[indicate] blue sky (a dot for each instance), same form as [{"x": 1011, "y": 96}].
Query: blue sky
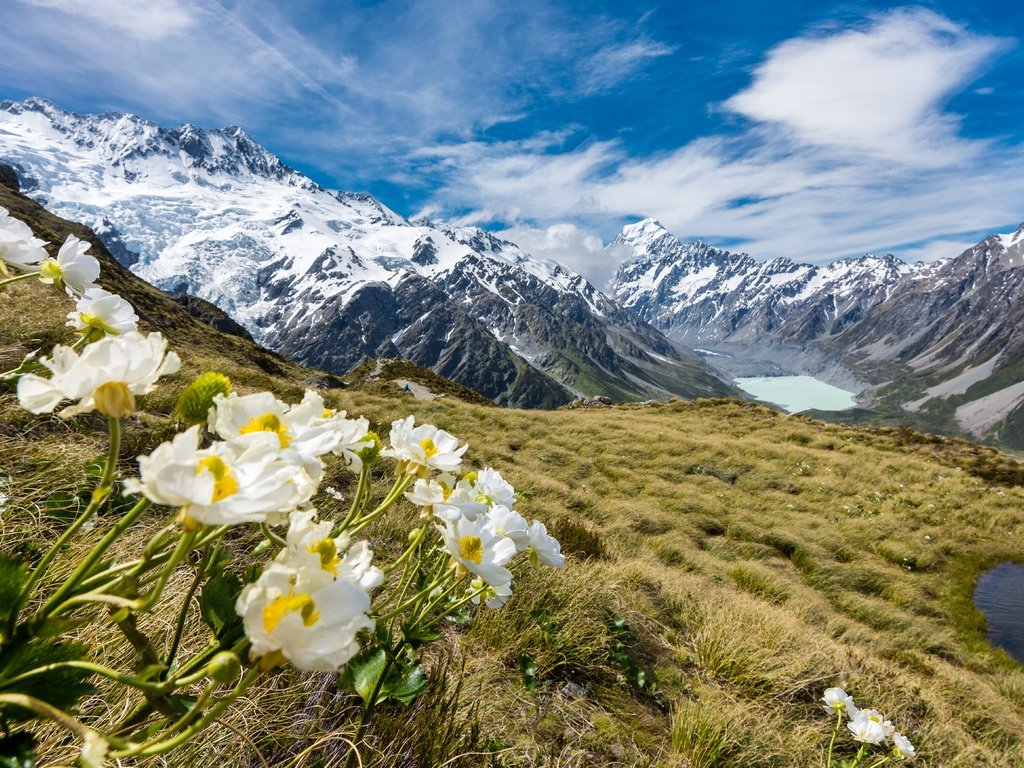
[{"x": 812, "y": 130}]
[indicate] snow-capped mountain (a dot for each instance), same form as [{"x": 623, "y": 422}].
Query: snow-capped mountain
[
  {"x": 332, "y": 278},
  {"x": 940, "y": 341}
]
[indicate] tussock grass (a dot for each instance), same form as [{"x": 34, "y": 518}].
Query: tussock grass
[{"x": 758, "y": 559}]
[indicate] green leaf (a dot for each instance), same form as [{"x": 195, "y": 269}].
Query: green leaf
[
  {"x": 418, "y": 636},
  {"x": 363, "y": 673},
  {"x": 217, "y": 604},
  {"x": 528, "y": 668},
  {"x": 95, "y": 467},
  {"x": 18, "y": 750},
  {"x": 63, "y": 506},
  {"x": 403, "y": 684},
  {"x": 12, "y": 578},
  {"x": 62, "y": 687}
]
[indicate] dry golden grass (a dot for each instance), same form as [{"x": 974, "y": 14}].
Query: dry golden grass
[{"x": 757, "y": 558}]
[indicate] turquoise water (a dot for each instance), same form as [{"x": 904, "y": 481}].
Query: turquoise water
[
  {"x": 797, "y": 393},
  {"x": 999, "y": 594}
]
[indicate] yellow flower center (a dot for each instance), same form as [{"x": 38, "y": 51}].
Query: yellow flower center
[
  {"x": 49, "y": 271},
  {"x": 224, "y": 483},
  {"x": 471, "y": 548},
  {"x": 95, "y": 323},
  {"x": 113, "y": 399},
  {"x": 268, "y": 422},
  {"x": 300, "y": 603},
  {"x": 327, "y": 413},
  {"x": 428, "y": 447},
  {"x": 327, "y": 549}
]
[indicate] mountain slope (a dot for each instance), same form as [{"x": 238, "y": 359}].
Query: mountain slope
[
  {"x": 936, "y": 345},
  {"x": 215, "y": 215}
]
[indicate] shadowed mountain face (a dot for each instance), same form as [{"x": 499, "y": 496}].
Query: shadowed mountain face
[
  {"x": 333, "y": 278},
  {"x": 937, "y": 345}
]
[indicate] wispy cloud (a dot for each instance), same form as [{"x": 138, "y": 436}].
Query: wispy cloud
[
  {"x": 609, "y": 67},
  {"x": 142, "y": 19},
  {"x": 846, "y": 149}
]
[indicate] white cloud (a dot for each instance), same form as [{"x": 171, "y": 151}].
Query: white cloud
[
  {"x": 885, "y": 167},
  {"x": 566, "y": 244},
  {"x": 875, "y": 90},
  {"x": 612, "y": 65},
  {"x": 143, "y": 19}
]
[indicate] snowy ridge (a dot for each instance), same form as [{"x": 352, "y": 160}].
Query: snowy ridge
[{"x": 215, "y": 215}]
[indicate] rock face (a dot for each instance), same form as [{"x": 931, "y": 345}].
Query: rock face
[
  {"x": 939, "y": 343},
  {"x": 332, "y": 278}
]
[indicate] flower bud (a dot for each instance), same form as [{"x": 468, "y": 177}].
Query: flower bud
[
  {"x": 114, "y": 400},
  {"x": 195, "y": 402},
  {"x": 224, "y": 667},
  {"x": 371, "y": 453}
]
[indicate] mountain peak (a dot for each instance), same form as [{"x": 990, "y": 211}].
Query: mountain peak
[{"x": 643, "y": 232}]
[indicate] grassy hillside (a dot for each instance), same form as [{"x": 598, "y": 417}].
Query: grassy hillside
[{"x": 741, "y": 559}]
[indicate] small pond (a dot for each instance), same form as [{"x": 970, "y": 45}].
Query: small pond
[
  {"x": 999, "y": 594},
  {"x": 797, "y": 393}
]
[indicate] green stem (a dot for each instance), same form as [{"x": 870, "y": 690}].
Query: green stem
[
  {"x": 179, "y": 628},
  {"x": 416, "y": 598},
  {"x": 357, "y": 500},
  {"x": 98, "y": 495},
  {"x": 273, "y": 537},
  {"x": 832, "y": 743},
  {"x": 48, "y": 711},
  {"x": 155, "y": 747},
  {"x": 183, "y": 548},
  {"x": 85, "y": 567},
  {"x": 16, "y": 278},
  {"x": 88, "y": 666},
  {"x": 396, "y": 490}
]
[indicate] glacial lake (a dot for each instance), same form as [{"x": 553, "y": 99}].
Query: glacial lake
[
  {"x": 999, "y": 594},
  {"x": 797, "y": 393}
]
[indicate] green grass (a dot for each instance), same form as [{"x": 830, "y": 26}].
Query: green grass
[{"x": 757, "y": 558}]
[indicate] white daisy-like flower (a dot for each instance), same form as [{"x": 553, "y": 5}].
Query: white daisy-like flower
[
  {"x": 493, "y": 596},
  {"x": 512, "y": 525},
  {"x": 424, "y": 447},
  {"x": 837, "y": 701},
  {"x": 225, "y": 484},
  {"x": 309, "y": 545},
  {"x": 491, "y": 488},
  {"x": 873, "y": 714},
  {"x": 474, "y": 545},
  {"x": 308, "y": 618},
  {"x": 902, "y": 746},
  {"x": 100, "y": 313},
  {"x": 544, "y": 546},
  {"x": 106, "y": 377},
  {"x": 866, "y": 731},
  {"x": 73, "y": 268},
  {"x": 18, "y": 247}
]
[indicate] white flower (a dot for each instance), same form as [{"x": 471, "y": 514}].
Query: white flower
[
  {"x": 866, "y": 730},
  {"x": 838, "y": 701},
  {"x": 106, "y": 377},
  {"x": 544, "y": 546},
  {"x": 512, "y": 525},
  {"x": 225, "y": 484},
  {"x": 309, "y": 618},
  {"x": 493, "y": 596},
  {"x": 17, "y": 245},
  {"x": 476, "y": 546},
  {"x": 310, "y": 546},
  {"x": 101, "y": 313},
  {"x": 902, "y": 746},
  {"x": 491, "y": 488},
  {"x": 873, "y": 714},
  {"x": 424, "y": 447},
  {"x": 73, "y": 267}
]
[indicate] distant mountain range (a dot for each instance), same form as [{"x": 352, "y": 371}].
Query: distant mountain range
[
  {"x": 332, "y": 278},
  {"x": 937, "y": 345}
]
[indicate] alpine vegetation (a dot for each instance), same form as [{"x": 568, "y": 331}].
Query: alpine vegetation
[{"x": 308, "y": 595}]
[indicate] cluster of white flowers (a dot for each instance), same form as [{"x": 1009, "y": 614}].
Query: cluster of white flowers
[
  {"x": 73, "y": 269},
  {"x": 479, "y": 527},
  {"x": 868, "y": 726}
]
